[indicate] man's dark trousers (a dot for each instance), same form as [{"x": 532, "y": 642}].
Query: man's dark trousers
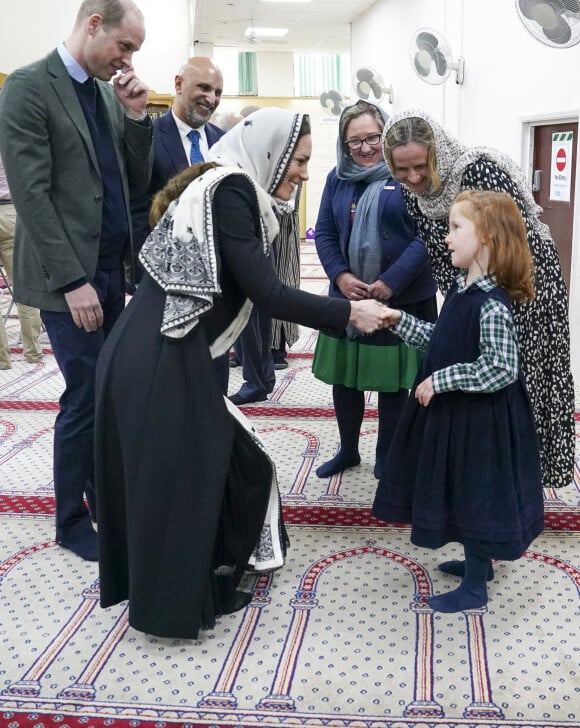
[{"x": 76, "y": 352}]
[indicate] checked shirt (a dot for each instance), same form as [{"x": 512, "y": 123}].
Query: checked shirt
[{"x": 497, "y": 364}]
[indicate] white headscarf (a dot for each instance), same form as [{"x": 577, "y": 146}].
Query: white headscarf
[
  {"x": 180, "y": 253},
  {"x": 261, "y": 145}
]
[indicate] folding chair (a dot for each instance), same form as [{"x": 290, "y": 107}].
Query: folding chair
[{"x": 6, "y": 288}]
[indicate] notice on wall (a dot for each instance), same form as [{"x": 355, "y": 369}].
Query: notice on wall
[{"x": 561, "y": 172}]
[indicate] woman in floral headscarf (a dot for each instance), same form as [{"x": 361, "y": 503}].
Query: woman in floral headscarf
[
  {"x": 186, "y": 494},
  {"x": 433, "y": 167}
]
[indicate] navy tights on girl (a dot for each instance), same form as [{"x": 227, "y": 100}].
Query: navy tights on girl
[{"x": 472, "y": 593}]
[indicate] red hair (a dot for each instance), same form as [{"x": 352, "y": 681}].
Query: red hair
[{"x": 500, "y": 225}]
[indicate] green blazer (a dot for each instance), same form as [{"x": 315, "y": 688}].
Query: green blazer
[{"x": 54, "y": 178}]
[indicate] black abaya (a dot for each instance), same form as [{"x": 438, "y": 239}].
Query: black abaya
[{"x": 181, "y": 494}]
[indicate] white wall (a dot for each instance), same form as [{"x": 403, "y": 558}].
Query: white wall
[
  {"x": 166, "y": 46},
  {"x": 509, "y": 75},
  {"x": 23, "y": 40},
  {"x": 275, "y": 74}
]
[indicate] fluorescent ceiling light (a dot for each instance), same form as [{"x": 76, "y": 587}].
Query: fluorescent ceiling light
[
  {"x": 286, "y": 1},
  {"x": 266, "y": 32}
]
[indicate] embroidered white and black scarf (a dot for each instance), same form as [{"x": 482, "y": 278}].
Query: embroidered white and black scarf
[{"x": 180, "y": 253}]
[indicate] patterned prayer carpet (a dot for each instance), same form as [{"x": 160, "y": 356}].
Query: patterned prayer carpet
[{"x": 338, "y": 637}]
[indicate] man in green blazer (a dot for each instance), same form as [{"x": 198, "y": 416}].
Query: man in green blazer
[{"x": 74, "y": 148}]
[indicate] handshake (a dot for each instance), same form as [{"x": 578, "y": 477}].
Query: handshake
[
  {"x": 370, "y": 315},
  {"x": 367, "y": 312}
]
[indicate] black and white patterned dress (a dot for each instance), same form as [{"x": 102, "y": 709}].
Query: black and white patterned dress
[
  {"x": 287, "y": 248},
  {"x": 542, "y": 325}
]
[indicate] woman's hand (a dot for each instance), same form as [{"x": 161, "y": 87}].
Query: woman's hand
[
  {"x": 379, "y": 290},
  {"x": 367, "y": 316},
  {"x": 351, "y": 287}
]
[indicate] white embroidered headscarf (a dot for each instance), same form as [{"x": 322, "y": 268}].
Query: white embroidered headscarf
[
  {"x": 451, "y": 160},
  {"x": 180, "y": 253}
]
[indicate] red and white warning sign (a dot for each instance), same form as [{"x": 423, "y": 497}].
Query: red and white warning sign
[{"x": 561, "y": 173}]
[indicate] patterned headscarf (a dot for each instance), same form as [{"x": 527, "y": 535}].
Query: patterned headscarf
[
  {"x": 180, "y": 253},
  {"x": 452, "y": 158}
]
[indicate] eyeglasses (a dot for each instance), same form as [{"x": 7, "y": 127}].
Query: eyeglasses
[{"x": 357, "y": 143}]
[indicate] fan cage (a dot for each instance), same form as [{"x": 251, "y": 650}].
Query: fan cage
[
  {"x": 565, "y": 13},
  {"x": 429, "y": 42}
]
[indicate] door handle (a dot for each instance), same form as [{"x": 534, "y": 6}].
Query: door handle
[{"x": 536, "y": 183}]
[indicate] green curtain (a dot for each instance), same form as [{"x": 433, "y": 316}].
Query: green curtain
[
  {"x": 315, "y": 73},
  {"x": 248, "y": 74}
]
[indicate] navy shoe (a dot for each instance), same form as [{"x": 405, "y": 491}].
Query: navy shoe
[
  {"x": 85, "y": 547},
  {"x": 239, "y": 399}
]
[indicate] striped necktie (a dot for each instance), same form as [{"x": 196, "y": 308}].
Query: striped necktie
[{"x": 195, "y": 154}]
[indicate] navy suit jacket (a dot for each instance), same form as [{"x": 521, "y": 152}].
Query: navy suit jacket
[
  {"x": 405, "y": 262},
  {"x": 169, "y": 159}
]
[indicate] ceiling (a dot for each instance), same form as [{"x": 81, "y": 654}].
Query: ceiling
[{"x": 319, "y": 26}]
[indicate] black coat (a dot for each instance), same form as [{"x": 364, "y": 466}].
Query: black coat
[{"x": 170, "y": 464}]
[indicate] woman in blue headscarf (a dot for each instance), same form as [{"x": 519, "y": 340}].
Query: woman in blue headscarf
[{"x": 369, "y": 247}]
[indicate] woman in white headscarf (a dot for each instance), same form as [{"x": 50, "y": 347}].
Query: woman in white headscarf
[
  {"x": 186, "y": 494},
  {"x": 433, "y": 168}
]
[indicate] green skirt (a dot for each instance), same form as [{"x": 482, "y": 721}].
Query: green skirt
[{"x": 365, "y": 367}]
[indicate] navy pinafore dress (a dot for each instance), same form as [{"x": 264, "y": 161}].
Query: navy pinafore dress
[{"x": 467, "y": 467}]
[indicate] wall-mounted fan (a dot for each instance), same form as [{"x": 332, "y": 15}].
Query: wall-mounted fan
[
  {"x": 431, "y": 57},
  {"x": 369, "y": 85},
  {"x": 331, "y": 102},
  {"x": 553, "y": 22}
]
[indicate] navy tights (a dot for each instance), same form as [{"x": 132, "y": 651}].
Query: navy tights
[
  {"x": 349, "y": 407},
  {"x": 472, "y": 593}
]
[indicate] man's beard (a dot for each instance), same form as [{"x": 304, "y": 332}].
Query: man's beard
[{"x": 196, "y": 119}]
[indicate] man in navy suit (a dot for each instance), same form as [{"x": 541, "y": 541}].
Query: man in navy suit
[{"x": 198, "y": 92}]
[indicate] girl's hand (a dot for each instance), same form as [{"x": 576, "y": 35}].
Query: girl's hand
[
  {"x": 425, "y": 392},
  {"x": 392, "y": 316}
]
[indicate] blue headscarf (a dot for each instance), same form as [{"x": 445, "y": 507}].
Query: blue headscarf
[{"x": 364, "y": 245}]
